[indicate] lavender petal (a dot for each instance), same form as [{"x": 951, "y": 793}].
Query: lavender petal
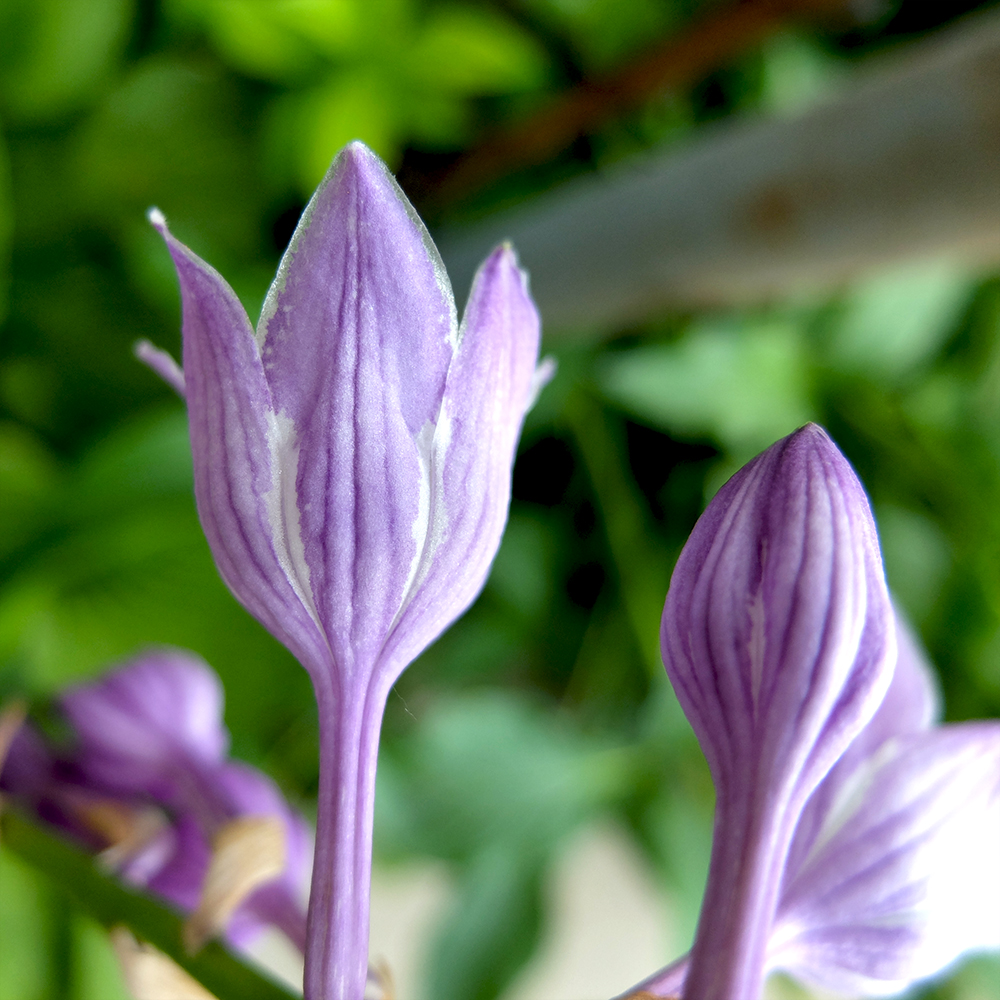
[
  {"x": 238, "y": 445},
  {"x": 911, "y": 706},
  {"x": 358, "y": 332},
  {"x": 489, "y": 388},
  {"x": 905, "y": 876},
  {"x": 162, "y": 363}
]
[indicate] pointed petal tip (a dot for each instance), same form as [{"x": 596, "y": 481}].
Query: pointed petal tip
[
  {"x": 157, "y": 219},
  {"x": 545, "y": 372},
  {"x": 361, "y": 165},
  {"x": 812, "y": 435},
  {"x": 162, "y": 363},
  {"x": 504, "y": 258},
  {"x": 506, "y": 253},
  {"x": 357, "y": 150}
]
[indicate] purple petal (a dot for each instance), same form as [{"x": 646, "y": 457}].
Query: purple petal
[
  {"x": 141, "y": 723},
  {"x": 490, "y": 385},
  {"x": 179, "y": 878},
  {"x": 668, "y": 982},
  {"x": 777, "y": 627},
  {"x": 251, "y": 793},
  {"x": 240, "y": 447},
  {"x": 160, "y": 361},
  {"x": 358, "y": 333},
  {"x": 778, "y": 638},
  {"x": 28, "y": 765},
  {"x": 155, "y": 727},
  {"x": 905, "y": 876},
  {"x": 911, "y": 705}
]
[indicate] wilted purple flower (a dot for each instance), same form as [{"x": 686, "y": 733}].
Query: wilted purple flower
[
  {"x": 777, "y": 617},
  {"x": 148, "y": 781},
  {"x": 352, "y": 472}
]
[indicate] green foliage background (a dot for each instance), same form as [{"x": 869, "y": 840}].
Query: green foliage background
[{"x": 545, "y": 707}]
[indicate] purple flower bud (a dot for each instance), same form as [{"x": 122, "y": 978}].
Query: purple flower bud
[
  {"x": 910, "y": 706},
  {"x": 779, "y": 639},
  {"x": 143, "y": 727},
  {"x": 352, "y": 465},
  {"x": 894, "y": 870}
]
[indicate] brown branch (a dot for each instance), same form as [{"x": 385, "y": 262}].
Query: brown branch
[{"x": 681, "y": 59}]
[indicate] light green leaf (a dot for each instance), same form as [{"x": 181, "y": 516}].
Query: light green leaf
[
  {"x": 492, "y": 929},
  {"x": 897, "y": 321},
  {"x": 745, "y": 385},
  {"x": 23, "y": 965},
  {"x": 60, "y": 53},
  {"x": 357, "y": 105},
  {"x": 493, "y": 766},
  {"x": 170, "y": 134},
  {"x": 522, "y": 574},
  {"x": 797, "y": 73},
  {"x": 917, "y": 557},
  {"x": 475, "y": 51},
  {"x": 281, "y": 40}
]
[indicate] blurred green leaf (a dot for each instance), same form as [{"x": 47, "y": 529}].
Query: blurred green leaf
[
  {"x": 111, "y": 903},
  {"x": 917, "y": 557},
  {"x": 492, "y": 929},
  {"x": 97, "y": 972},
  {"x": 273, "y": 40},
  {"x": 475, "y": 51},
  {"x": 897, "y": 321},
  {"x": 173, "y": 134},
  {"x": 29, "y": 485},
  {"x": 6, "y": 224},
  {"x": 357, "y": 104},
  {"x": 522, "y": 571},
  {"x": 605, "y": 32},
  {"x": 23, "y": 961},
  {"x": 745, "y": 384},
  {"x": 797, "y": 72},
  {"x": 54, "y": 54},
  {"x": 439, "y": 119},
  {"x": 490, "y": 767}
]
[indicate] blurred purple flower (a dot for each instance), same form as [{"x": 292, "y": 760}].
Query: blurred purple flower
[
  {"x": 352, "y": 472},
  {"x": 148, "y": 783},
  {"x": 852, "y": 840}
]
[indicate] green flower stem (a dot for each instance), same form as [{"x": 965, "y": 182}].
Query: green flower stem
[{"x": 110, "y": 903}]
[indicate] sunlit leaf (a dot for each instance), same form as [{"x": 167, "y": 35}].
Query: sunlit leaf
[
  {"x": 898, "y": 320},
  {"x": 353, "y": 105},
  {"x": 745, "y": 385},
  {"x": 59, "y": 53},
  {"x": 475, "y": 51}
]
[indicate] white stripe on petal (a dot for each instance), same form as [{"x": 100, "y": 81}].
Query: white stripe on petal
[
  {"x": 282, "y": 505},
  {"x": 430, "y": 525}
]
